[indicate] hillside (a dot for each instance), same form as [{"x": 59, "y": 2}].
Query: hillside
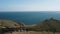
[
  {"x": 9, "y": 23},
  {"x": 48, "y": 25}
]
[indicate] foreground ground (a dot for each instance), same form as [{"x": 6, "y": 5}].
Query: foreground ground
[{"x": 32, "y": 32}]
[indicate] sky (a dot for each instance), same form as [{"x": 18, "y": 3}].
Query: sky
[{"x": 29, "y": 5}]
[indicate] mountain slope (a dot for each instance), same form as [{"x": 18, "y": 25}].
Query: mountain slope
[
  {"x": 49, "y": 24},
  {"x": 9, "y": 23}
]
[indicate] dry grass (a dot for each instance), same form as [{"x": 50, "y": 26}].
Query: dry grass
[{"x": 32, "y": 32}]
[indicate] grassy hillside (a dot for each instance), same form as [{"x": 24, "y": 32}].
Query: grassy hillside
[
  {"x": 48, "y": 25},
  {"x": 9, "y": 23}
]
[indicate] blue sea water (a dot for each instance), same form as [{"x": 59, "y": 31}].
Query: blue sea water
[{"x": 29, "y": 17}]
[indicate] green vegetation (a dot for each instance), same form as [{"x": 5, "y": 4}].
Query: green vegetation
[
  {"x": 51, "y": 25},
  {"x": 8, "y": 25}
]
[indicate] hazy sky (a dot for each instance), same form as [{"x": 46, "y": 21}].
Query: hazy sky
[{"x": 29, "y": 5}]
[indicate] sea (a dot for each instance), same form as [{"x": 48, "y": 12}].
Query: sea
[{"x": 29, "y": 17}]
